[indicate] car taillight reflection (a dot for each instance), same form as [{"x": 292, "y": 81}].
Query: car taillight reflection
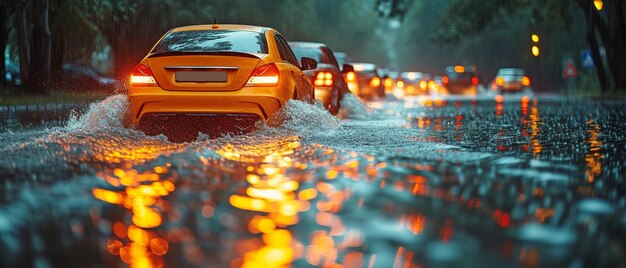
[
  {"x": 142, "y": 76},
  {"x": 266, "y": 75},
  {"x": 323, "y": 79}
]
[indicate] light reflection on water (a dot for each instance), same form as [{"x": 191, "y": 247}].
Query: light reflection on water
[
  {"x": 142, "y": 195},
  {"x": 281, "y": 200}
]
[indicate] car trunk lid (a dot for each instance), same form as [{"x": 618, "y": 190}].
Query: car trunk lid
[{"x": 203, "y": 71}]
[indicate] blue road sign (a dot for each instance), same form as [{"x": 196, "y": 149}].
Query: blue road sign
[{"x": 587, "y": 59}]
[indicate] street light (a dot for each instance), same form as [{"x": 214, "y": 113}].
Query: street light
[{"x": 599, "y": 4}]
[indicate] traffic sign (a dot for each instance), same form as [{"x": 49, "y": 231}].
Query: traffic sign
[
  {"x": 570, "y": 70},
  {"x": 587, "y": 59}
]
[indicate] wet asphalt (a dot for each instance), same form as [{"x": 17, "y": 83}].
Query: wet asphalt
[{"x": 414, "y": 182}]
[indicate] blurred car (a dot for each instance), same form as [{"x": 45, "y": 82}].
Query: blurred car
[
  {"x": 435, "y": 86},
  {"x": 510, "y": 80},
  {"x": 342, "y": 58},
  {"x": 461, "y": 80},
  {"x": 368, "y": 82},
  {"x": 215, "y": 79},
  {"x": 330, "y": 85},
  {"x": 85, "y": 78},
  {"x": 388, "y": 82},
  {"x": 12, "y": 76},
  {"x": 413, "y": 83}
]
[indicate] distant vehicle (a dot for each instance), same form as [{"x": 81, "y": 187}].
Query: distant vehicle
[
  {"x": 369, "y": 83},
  {"x": 12, "y": 76},
  {"x": 461, "y": 80},
  {"x": 85, "y": 78},
  {"x": 413, "y": 83},
  {"x": 510, "y": 80},
  {"x": 342, "y": 58},
  {"x": 215, "y": 79},
  {"x": 388, "y": 82},
  {"x": 435, "y": 86},
  {"x": 330, "y": 85}
]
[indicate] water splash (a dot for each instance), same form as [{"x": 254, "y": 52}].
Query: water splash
[
  {"x": 353, "y": 108},
  {"x": 306, "y": 119},
  {"x": 105, "y": 115}
]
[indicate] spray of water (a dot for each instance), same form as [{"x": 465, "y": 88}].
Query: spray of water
[{"x": 105, "y": 115}]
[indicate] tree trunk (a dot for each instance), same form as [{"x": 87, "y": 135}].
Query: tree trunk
[
  {"x": 592, "y": 40},
  {"x": 41, "y": 61},
  {"x": 22, "y": 40},
  {"x": 612, "y": 36},
  {"x": 4, "y": 36}
]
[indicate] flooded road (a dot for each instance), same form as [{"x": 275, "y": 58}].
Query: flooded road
[{"x": 423, "y": 182}]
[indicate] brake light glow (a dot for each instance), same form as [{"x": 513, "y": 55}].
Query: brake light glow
[
  {"x": 266, "y": 75},
  {"x": 323, "y": 79},
  {"x": 525, "y": 81},
  {"x": 475, "y": 80},
  {"x": 350, "y": 77},
  {"x": 375, "y": 82},
  {"x": 433, "y": 86},
  {"x": 500, "y": 81},
  {"x": 459, "y": 69},
  {"x": 445, "y": 80},
  {"x": 423, "y": 85},
  {"x": 388, "y": 83},
  {"x": 142, "y": 76},
  {"x": 400, "y": 84}
]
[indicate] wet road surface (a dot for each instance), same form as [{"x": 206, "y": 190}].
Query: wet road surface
[{"x": 424, "y": 182}]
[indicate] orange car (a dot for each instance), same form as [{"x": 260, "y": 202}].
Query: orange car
[{"x": 215, "y": 79}]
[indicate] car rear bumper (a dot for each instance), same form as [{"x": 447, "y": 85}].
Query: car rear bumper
[
  {"x": 259, "y": 101},
  {"x": 185, "y": 127},
  {"x": 462, "y": 90}
]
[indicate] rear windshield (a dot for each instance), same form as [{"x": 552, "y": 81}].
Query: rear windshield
[
  {"x": 307, "y": 52},
  {"x": 314, "y": 53},
  {"x": 511, "y": 72},
  {"x": 212, "y": 41}
]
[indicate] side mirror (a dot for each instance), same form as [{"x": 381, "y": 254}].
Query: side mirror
[
  {"x": 308, "y": 63},
  {"x": 347, "y": 68}
]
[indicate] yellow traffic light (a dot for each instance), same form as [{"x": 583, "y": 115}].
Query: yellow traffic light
[
  {"x": 535, "y": 51},
  {"x": 599, "y": 4}
]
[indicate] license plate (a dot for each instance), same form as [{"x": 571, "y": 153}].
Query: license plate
[{"x": 200, "y": 76}]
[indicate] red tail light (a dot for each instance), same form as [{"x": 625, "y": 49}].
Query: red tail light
[
  {"x": 499, "y": 81},
  {"x": 423, "y": 85},
  {"x": 475, "y": 80},
  {"x": 266, "y": 75},
  {"x": 444, "y": 80},
  {"x": 525, "y": 81},
  {"x": 375, "y": 82},
  {"x": 142, "y": 76},
  {"x": 323, "y": 79}
]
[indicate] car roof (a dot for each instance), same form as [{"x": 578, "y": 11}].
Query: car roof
[
  {"x": 230, "y": 27},
  {"x": 306, "y": 44}
]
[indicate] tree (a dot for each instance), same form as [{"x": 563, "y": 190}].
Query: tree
[
  {"x": 41, "y": 55},
  {"x": 4, "y": 36}
]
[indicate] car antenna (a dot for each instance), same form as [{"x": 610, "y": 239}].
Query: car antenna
[{"x": 215, "y": 26}]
